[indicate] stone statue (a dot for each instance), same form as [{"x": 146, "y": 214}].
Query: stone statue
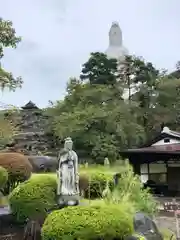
[
  {"x": 116, "y": 48},
  {"x": 68, "y": 178},
  {"x": 106, "y": 162},
  {"x": 115, "y": 35}
]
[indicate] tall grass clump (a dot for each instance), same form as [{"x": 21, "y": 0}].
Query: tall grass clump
[{"x": 130, "y": 189}]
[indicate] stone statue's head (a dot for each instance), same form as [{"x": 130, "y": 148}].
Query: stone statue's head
[{"x": 68, "y": 144}]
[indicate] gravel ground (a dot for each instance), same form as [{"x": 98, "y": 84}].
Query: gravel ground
[
  {"x": 165, "y": 223},
  {"x": 166, "y": 220}
]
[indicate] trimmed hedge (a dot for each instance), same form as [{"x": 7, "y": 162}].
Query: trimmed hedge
[
  {"x": 88, "y": 222},
  {"x": 33, "y": 197},
  {"x": 38, "y": 194},
  {"x": 3, "y": 177},
  {"x": 91, "y": 183},
  {"x": 18, "y": 167}
]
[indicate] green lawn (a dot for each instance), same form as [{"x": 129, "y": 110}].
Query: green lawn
[{"x": 94, "y": 169}]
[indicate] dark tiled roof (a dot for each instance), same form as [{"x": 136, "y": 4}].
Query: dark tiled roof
[
  {"x": 30, "y": 105},
  {"x": 159, "y": 148}
]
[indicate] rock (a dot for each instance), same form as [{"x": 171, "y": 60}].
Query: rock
[
  {"x": 5, "y": 210},
  {"x": 6, "y": 216}
]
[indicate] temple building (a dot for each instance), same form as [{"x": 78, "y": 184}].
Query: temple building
[
  {"x": 116, "y": 48},
  {"x": 31, "y": 123},
  {"x": 158, "y": 162}
]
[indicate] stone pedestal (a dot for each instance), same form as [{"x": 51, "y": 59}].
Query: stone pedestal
[{"x": 67, "y": 200}]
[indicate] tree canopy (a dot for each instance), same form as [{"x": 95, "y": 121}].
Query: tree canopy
[
  {"x": 99, "y": 69},
  {"x": 101, "y": 120},
  {"x": 8, "y": 38},
  {"x": 98, "y": 120}
]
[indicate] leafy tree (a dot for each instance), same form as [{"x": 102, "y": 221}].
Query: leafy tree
[
  {"x": 8, "y": 81},
  {"x": 167, "y": 106},
  {"x": 140, "y": 76},
  {"x": 8, "y": 38},
  {"x": 100, "y": 70},
  {"x": 176, "y": 73},
  {"x": 8, "y": 127},
  {"x": 97, "y": 117},
  {"x": 98, "y": 120}
]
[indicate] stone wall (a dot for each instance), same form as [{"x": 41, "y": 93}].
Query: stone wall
[{"x": 32, "y": 137}]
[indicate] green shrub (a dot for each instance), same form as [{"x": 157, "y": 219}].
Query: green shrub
[
  {"x": 3, "y": 177},
  {"x": 94, "y": 183},
  {"x": 131, "y": 189},
  {"x": 33, "y": 197},
  {"x": 88, "y": 222}
]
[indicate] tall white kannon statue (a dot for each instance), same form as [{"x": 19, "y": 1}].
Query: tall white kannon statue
[{"x": 116, "y": 48}]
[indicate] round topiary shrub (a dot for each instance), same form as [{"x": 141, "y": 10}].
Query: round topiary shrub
[
  {"x": 3, "y": 177},
  {"x": 94, "y": 183},
  {"x": 88, "y": 222},
  {"x": 34, "y": 197},
  {"x": 18, "y": 167}
]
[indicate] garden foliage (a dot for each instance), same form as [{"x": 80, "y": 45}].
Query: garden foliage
[
  {"x": 94, "y": 182},
  {"x": 130, "y": 189},
  {"x": 18, "y": 167},
  {"x": 3, "y": 177},
  {"x": 89, "y": 222},
  {"x": 37, "y": 196},
  {"x": 33, "y": 198}
]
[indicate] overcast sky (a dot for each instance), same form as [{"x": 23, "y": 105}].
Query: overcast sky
[{"x": 58, "y": 36}]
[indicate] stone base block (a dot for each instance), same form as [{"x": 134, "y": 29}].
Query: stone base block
[{"x": 67, "y": 200}]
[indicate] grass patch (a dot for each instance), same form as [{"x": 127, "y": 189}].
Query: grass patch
[
  {"x": 92, "y": 169},
  {"x": 168, "y": 234}
]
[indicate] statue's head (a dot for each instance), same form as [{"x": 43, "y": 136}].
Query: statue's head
[{"x": 68, "y": 144}]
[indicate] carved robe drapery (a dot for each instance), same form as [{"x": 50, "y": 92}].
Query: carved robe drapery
[{"x": 68, "y": 174}]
